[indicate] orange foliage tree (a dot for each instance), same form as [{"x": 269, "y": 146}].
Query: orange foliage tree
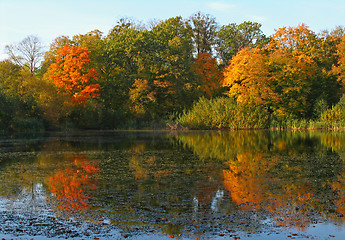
[
  {"x": 340, "y": 68},
  {"x": 72, "y": 75},
  {"x": 206, "y": 68},
  {"x": 248, "y": 80},
  {"x": 281, "y": 76},
  {"x": 294, "y": 39}
]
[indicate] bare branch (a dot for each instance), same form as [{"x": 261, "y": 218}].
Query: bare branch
[{"x": 28, "y": 53}]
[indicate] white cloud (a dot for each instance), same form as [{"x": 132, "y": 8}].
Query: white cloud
[{"x": 220, "y": 6}]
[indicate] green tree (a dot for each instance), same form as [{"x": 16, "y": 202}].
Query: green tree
[
  {"x": 171, "y": 69},
  {"x": 232, "y": 38},
  {"x": 204, "y": 28},
  {"x": 18, "y": 107},
  {"x": 120, "y": 66}
]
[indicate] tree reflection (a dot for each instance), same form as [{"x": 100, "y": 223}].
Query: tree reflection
[
  {"x": 252, "y": 186},
  {"x": 339, "y": 187},
  {"x": 290, "y": 175},
  {"x": 193, "y": 182},
  {"x": 69, "y": 185}
]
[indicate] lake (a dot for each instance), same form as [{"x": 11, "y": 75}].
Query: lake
[{"x": 183, "y": 185}]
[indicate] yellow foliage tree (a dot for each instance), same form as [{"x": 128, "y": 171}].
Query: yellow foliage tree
[
  {"x": 248, "y": 79},
  {"x": 280, "y": 76},
  {"x": 339, "y": 70},
  {"x": 291, "y": 79}
]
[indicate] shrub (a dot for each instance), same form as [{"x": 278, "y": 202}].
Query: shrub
[{"x": 224, "y": 112}]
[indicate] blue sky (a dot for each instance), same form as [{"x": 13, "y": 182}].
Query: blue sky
[{"x": 49, "y": 19}]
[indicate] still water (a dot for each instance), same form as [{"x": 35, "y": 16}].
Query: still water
[{"x": 163, "y": 185}]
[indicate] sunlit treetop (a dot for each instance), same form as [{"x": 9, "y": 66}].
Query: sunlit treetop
[{"x": 71, "y": 74}]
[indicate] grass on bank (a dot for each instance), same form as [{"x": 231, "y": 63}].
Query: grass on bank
[{"x": 226, "y": 113}]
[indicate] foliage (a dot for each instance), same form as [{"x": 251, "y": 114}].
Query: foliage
[
  {"x": 70, "y": 74},
  {"x": 247, "y": 78},
  {"x": 142, "y": 97},
  {"x": 18, "y": 108},
  {"x": 292, "y": 78},
  {"x": 232, "y": 38},
  {"x": 136, "y": 75},
  {"x": 224, "y": 113},
  {"x": 204, "y": 31},
  {"x": 335, "y": 116},
  {"x": 340, "y": 68},
  {"x": 210, "y": 77},
  {"x": 284, "y": 76}
]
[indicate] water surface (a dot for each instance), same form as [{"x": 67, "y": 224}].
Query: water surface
[{"x": 162, "y": 185}]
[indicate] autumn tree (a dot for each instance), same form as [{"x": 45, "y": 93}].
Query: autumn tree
[
  {"x": 291, "y": 79},
  {"x": 294, "y": 40},
  {"x": 159, "y": 59},
  {"x": 71, "y": 74},
  {"x": 339, "y": 68},
  {"x": 142, "y": 98},
  {"x": 247, "y": 78},
  {"x": 280, "y": 76},
  {"x": 92, "y": 41},
  {"x": 210, "y": 77},
  {"x": 294, "y": 62},
  {"x": 329, "y": 42},
  {"x": 10, "y": 77},
  {"x": 327, "y": 88}
]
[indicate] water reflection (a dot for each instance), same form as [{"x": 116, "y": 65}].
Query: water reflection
[
  {"x": 69, "y": 184},
  {"x": 291, "y": 175},
  {"x": 197, "y": 183}
]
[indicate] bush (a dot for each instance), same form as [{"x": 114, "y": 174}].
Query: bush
[{"x": 223, "y": 112}]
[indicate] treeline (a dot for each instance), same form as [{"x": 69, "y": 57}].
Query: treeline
[{"x": 137, "y": 76}]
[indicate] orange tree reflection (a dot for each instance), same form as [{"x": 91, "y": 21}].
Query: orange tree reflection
[
  {"x": 290, "y": 175},
  {"x": 69, "y": 184}
]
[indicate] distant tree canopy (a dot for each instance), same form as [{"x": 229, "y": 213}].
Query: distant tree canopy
[{"x": 138, "y": 74}]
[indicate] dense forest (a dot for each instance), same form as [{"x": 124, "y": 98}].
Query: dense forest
[{"x": 191, "y": 71}]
